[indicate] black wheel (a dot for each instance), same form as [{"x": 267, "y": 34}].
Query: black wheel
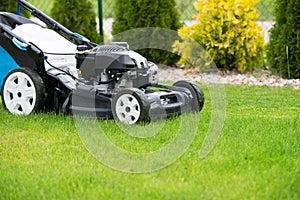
[
  {"x": 130, "y": 106},
  {"x": 23, "y": 91},
  {"x": 196, "y": 91}
]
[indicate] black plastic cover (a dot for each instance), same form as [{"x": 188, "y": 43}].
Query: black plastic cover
[
  {"x": 13, "y": 20},
  {"x": 102, "y": 58}
]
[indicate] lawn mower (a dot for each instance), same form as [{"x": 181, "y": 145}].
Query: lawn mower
[{"x": 51, "y": 68}]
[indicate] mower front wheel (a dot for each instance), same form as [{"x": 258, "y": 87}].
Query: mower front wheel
[
  {"x": 196, "y": 91},
  {"x": 23, "y": 91},
  {"x": 130, "y": 106}
]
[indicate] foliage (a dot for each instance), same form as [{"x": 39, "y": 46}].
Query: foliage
[
  {"x": 185, "y": 7},
  {"x": 283, "y": 51},
  {"x": 131, "y": 14},
  {"x": 228, "y": 32},
  {"x": 77, "y": 15},
  {"x": 11, "y": 6},
  {"x": 265, "y": 10}
]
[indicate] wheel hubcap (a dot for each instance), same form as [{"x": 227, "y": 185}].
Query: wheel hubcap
[
  {"x": 128, "y": 109},
  {"x": 19, "y": 93}
]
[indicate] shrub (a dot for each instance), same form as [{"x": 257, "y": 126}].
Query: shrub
[
  {"x": 283, "y": 50},
  {"x": 228, "y": 33},
  {"x": 131, "y": 14},
  {"x": 11, "y": 6},
  {"x": 77, "y": 15}
]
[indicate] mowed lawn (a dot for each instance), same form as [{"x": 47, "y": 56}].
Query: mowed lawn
[{"x": 257, "y": 155}]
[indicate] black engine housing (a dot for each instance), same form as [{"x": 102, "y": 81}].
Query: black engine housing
[{"x": 114, "y": 62}]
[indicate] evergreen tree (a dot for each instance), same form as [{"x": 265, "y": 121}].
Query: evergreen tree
[
  {"x": 78, "y": 16},
  {"x": 11, "y": 6},
  {"x": 284, "y": 46},
  {"x": 228, "y": 32},
  {"x": 131, "y": 14}
]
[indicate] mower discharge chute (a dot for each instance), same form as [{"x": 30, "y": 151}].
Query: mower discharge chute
[{"x": 56, "y": 69}]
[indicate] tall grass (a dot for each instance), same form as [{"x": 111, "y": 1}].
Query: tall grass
[{"x": 257, "y": 155}]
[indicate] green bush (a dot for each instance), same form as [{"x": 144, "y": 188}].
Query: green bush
[
  {"x": 78, "y": 16},
  {"x": 283, "y": 50},
  {"x": 228, "y": 33},
  {"x": 11, "y": 6},
  {"x": 131, "y": 14}
]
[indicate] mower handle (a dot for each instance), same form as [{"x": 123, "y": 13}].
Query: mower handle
[{"x": 54, "y": 24}]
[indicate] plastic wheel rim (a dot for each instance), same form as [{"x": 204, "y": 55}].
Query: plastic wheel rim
[
  {"x": 19, "y": 93},
  {"x": 128, "y": 109}
]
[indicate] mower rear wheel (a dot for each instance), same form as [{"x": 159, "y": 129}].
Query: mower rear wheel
[
  {"x": 23, "y": 91},
  {"x": 196, "y": 91},
  {"x": 130, "y": 106}
]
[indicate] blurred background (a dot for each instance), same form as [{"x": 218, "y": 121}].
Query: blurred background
[{"x": 186, "y": 9}]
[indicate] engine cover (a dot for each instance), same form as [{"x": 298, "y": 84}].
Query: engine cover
[
  {"x": 117, "y": 63},
  {"x": 104, "y": 57}
]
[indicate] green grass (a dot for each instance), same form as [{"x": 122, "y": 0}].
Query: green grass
[
  {"x": 186, "y": 8},
  {"x": 256, "y": 157}
]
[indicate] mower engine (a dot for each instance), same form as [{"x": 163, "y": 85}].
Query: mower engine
[{"x": 114, "y": 67}]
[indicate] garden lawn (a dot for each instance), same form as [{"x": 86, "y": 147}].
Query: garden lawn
[{"x": 257, "y": 155}]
